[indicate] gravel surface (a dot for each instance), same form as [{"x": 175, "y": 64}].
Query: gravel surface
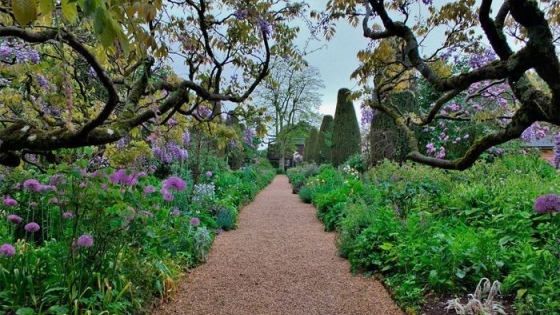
[{"x": 278, "y": 261}]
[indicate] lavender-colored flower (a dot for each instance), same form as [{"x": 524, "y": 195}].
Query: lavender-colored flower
[
  {"x": 85, "y": 240},
  {"x": 32, "y": 185},
  {"x": 9, "y": 201},
  {"x": 264, "y": 25},
  {"x": 33, "y": 204},
  {"x": 209, "y": 174},
  {"x": 43, "y": 82},
  {"x": 174, "y": 183},
  {"x": 6, "y": 51},
  {"x": 175, "y": 212},
  {"x": 68, "y": 215},
  {"x": 248, "y": 136},
  {"x": 549, "y": 203},
  {"x": 149, "y": 189},
  {"x": 121, "y": 177},
  {"x": 14, "y": 218},
  {"x": 7, "y": 250},
  {"x": 186, "y": 138},
  {"x": 241, "y": 14},
  {"x": 32, "y": 227},
  {"x": 195, "y": 222},
  {"x": 557, "y": 150},
  {"x": 53, "y": 200}
]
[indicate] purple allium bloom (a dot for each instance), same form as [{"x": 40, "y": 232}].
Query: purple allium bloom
[
  {"x": 53, "y": 200},
  {"x": 33, "y": 204},
  {"x": 15, "y": 219},
  {"x": 195, "y": 222},
  {"x": 85, "y": 240},
  {"x": 209, "y": 174},
  {"x": 9, "y": 201},
  {"x": 549, "y": 203},
  {"x": 176, "y": 212},
  {"x": 174, "y": 183},
  {"x": 32, "y": 227},
  {"x": 32, "y": 185},
  {"x": 67, "y": 215},
  {"x": 7, "y": 250},
  {"x": 149, "y": 189},
  {"x": 48, "y": 187},
  {"x": 122, "y": 177},
  {"x": 167, "y": 196}
]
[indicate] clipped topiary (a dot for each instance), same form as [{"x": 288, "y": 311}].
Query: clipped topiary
[
  {"x": 324, "y": 141},
  {"x": 346, "y": 131},
  {"x": 310, "y": 148}
]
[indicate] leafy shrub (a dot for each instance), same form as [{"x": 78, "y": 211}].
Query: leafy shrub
[
  {"x": 226, "y": 218},
  {"x": 305, "y": 194}
]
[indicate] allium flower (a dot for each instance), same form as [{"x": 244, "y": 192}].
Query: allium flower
[
  {"x": 33, "y": 204},
  {"x": 209, "y": 174},
  {"x": 53, "y": 200},
  {"x": 32, "y": 185},
  {"x": 7, "y": 250},
  {"x": 547, "y": 204},
  {"x": 174, "y": 183},
  {"x": 9, "y": 201},
  {"x": 32, "y": 227},
  {"x": 15, "y": 219},
  {"x": 149, "y": 189},
  {"x": 68, "y": 215},
  {"x": 85, "y": 240},
  {"x": 176, "y": 212},
  {"x": 195, "y": 222},
  {"x": 121, "y": 177}
]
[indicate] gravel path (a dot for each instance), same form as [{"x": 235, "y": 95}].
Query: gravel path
[{"x": 278, "y": 261}]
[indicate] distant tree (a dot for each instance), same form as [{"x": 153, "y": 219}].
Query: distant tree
[
  {"x": 346, "y": 131},
  {"x": 290, "y": 95},
  {"x": 324, "y": 141}
]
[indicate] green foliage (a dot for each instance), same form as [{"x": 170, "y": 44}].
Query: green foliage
[
  {"x": 346, "y": 131},
  {"x": 433, "y": 231},
  {"x": 324, "y": 141},
  {"x": 385, "y": 139},
  {"x": 226, "y": 218},
  {"x": 310, "y": 150},
  {"x": 298, "y": 175}
]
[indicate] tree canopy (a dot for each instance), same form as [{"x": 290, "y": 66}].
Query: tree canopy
[
  {"x": 88, "y": 72},
  {"x": 521, "y": 35}
]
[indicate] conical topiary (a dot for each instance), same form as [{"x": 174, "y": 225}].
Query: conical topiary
[
  {"x": 346, "y": 131},
  {"x": 310, "y": 154},
  {"x": 324, "y": 141}
]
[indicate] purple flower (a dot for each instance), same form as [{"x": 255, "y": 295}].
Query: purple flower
[
  {"x": 176, "y": 212},
  {"x": 149, "y": 189},
  {"x": 32, "y": 185},
  {"x": 241, "y": 14},
  {"x": 547, "y": 204},
  {"x": 7, "y": 250},
  {"x": 15, "y": 219},
  {"x": 33, "y": 204},
  {"x": 53, "y": 200},
  {"x": 9, "y": 201},
  {"x": 174, "y": 183},
  {"x": 195, "y": 222},
  {"x": 67, "y": 215},
  {"x": 32, "y": 227},
  {"x": 85, "y": 240},
  {"x": 209, "y": 174},
  {"x": 186, "y": 138},
  {"x": 122, "y": 177}
]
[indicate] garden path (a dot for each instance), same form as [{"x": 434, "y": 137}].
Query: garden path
[{"x": 278, "y": 261}]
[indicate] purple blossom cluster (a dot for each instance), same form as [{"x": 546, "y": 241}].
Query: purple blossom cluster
[
  {"x": 9, "y": 201},
  {"x": 16, "y": 50},
  {"x": 170, "y": 153},
  {"x": 549, "y": 203},
  {"x": 186, "y": 139},
  {"x": 126, "y": 178},
  {"x": 535, "y": 132},
  {"x": 265, "y": 27},
  {"x": 248, "y": 136},
  {"x": 174, "y": 183},
  {"x": 195, "y": 222},
  {"x": 368, "y": 114},
  {"x": 241, "y": 14},
  {"x": 7, "y": 250},
  {"x": 557, "y": 150}
]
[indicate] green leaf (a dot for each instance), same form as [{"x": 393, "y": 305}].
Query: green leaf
[
  {"x": 460, "y": 273},
  {"x": 46, "y": 6},
  {"x": 89, "y": 7},
  {"x": 25, "y": 311},
  {"x": 386, "y": 246},
  {"x": 99, "y": 21},
  {"x": 70, "y": 10},
  {"x": 25, "y": 11}
]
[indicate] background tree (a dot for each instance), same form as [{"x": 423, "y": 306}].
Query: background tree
[
  {"x": 290, "y": 95},
  {"x": 83, "y": 73},
  {"x": 346, "y": 131},
  {"x": 533, "y": 26},
  {"x": 324, "y": 141}
]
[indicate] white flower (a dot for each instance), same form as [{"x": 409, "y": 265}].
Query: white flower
[
  {"x": 32, "y": 137},
  {"x": 110, "y": 132},
  {"x": 25, "y": 128}
]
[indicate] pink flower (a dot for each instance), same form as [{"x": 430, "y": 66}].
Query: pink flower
[
  {"x": 15, "y": 219},
  {"x": 195, "y": 222},
  {"x": 32, "y": 227},
  {"x": 176, "y": 212},
  {"x": 32, "y": 185},
  {"x": 67, "y": 215},
  {"x": 7, "y": 250},
  {"x": 85, "y": 240},
  {"x": 9, "y": 201},
  {"x": 209, "y": 174},
  {"x": 174, "y": 183}
]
